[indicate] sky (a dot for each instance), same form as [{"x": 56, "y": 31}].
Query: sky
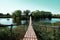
[{"x": 9, "y": 6}]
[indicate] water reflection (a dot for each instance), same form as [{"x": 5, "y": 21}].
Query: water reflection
[
  {"x": 23, "y": 22},
  {"x": 9, "y": 21},
  {"x": 53, "y": 20},
  {"x": 6, "y": 21}
]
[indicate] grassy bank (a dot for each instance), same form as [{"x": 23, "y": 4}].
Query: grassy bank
[
  {"x": 44, "y": 31},
  {"x": 17, "y": 33}
]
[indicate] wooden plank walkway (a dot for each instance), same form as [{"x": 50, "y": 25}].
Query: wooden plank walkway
[{"x": 30, "y": 34}]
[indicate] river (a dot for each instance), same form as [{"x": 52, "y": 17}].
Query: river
[{"x": 8, "y": 21}]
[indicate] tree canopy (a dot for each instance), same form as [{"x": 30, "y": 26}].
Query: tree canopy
[
  {"x": 16, "y": 15},
  {"x": 41, "y": 14}
]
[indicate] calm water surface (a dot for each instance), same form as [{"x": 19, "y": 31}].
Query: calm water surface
[
  {"x": 53, "y": 20},
  {"x": 8, "y": 21}
]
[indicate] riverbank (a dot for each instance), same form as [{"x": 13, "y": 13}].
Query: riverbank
[
  {"x": 18, "y": 32},
  {"x": 47, "y": 32}
]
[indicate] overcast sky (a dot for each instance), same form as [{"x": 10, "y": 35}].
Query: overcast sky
[{"x": 8, "y": 6}]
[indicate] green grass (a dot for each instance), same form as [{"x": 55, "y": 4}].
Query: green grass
[
  {"x": 17, "y": 33},
  {"x": 21, "y": 30},
  {"x": 44, "y": 31},
  {"x": 57, "y": 24}
]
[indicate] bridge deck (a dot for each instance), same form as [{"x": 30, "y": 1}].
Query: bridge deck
[{"x": 30, "y": 34}]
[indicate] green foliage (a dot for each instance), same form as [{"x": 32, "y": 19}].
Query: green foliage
[
  {"x": 4, "y": 33},
  {"x": 26, "y": 12},
  {"x": 5, "y": 15},
  {"x": 57, "y": 24},
  {"x": 16, "y": 16},
  {"x": 41, "y": 14},
  {"x": 56, "y": 16},
  {"x": 36, "y": 14},
  {"x": 17, "y": 33},
  {"x": 1, "y": 14},
  {"x": 46, "y": 32}
]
